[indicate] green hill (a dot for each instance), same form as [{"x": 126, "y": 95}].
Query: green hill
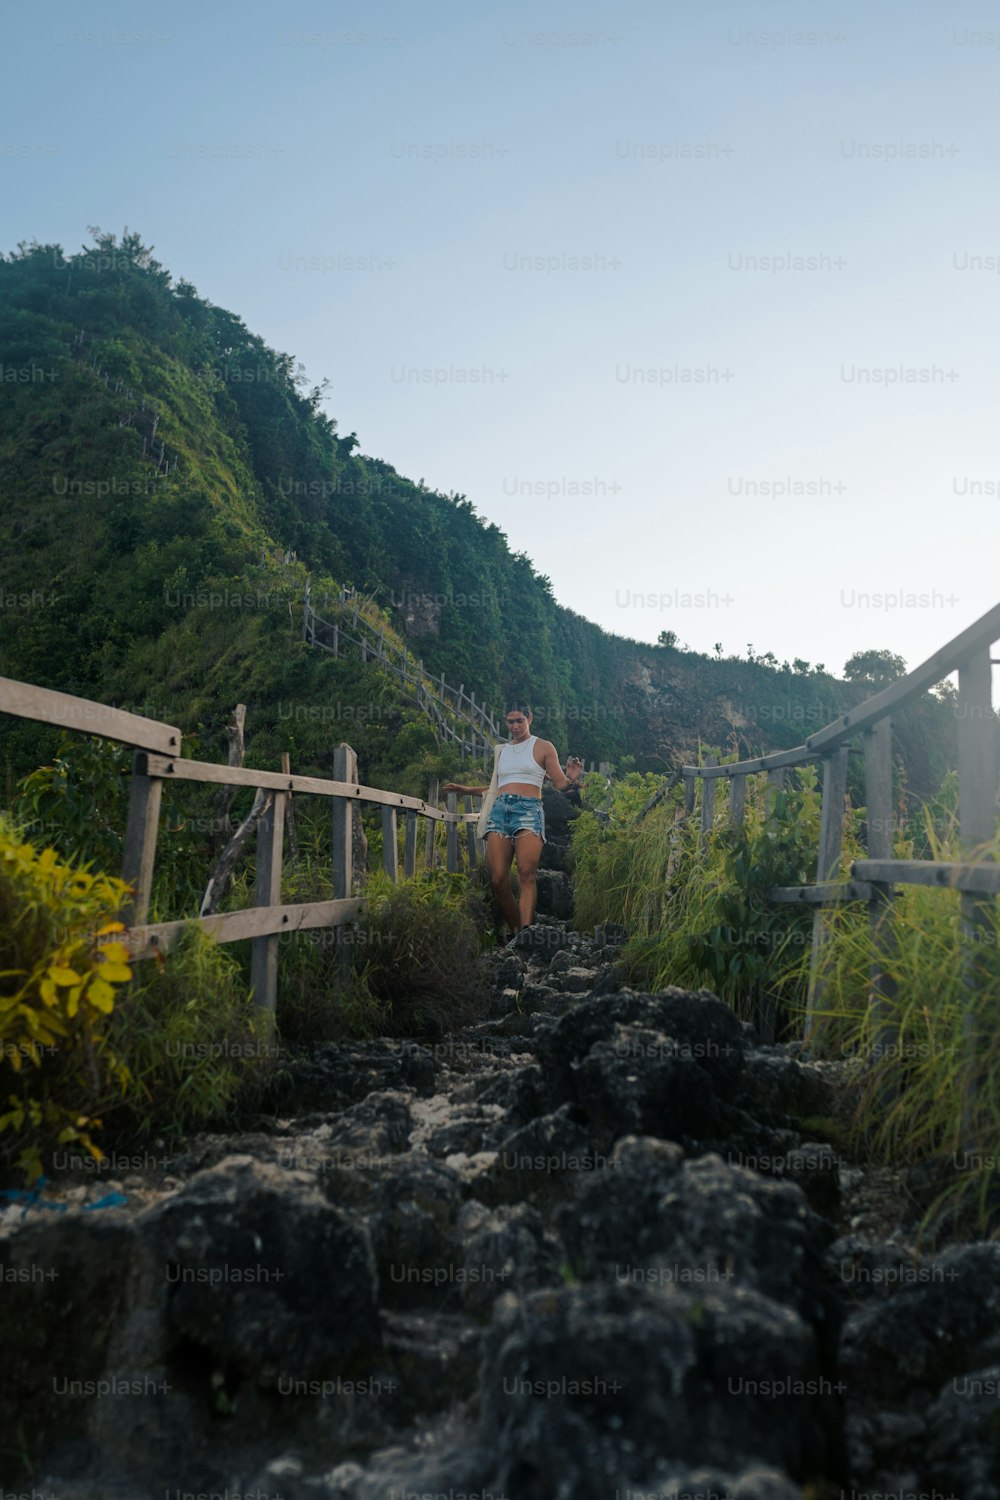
[{"x": 166, "y": 483}]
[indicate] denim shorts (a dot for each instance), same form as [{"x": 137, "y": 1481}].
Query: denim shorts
[{"x": 512, "y": 814}]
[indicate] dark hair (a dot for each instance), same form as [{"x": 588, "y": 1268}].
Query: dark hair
[{"x": 517, "y": 707}]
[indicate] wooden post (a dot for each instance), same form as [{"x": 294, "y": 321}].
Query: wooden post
[
  {"x": 433, "y": 794},
  {"x": 345, "y": 768},
  {"x": 410, "y": 844},
  {"x": 336, "y": 640},
  {"x": 470, "y": 833},
  {"x": 689, "y": 794},
  {"x": 139, "y": 854},
  {"x": 831, "y": 832},
  {"x": 452, "y": 834},
  {"x": 737, "y": 799},
  {"x": 977, "y": 826},
  {"x": 223, "y": 800},
  {"x": 306, "y": 606},
  {"x": 293, "y": 842},
  {"x": 390, "y": 848},
  {"x": 707, "y": 801},
  {"x": 877, "y": 743},
  {"x": 267, "y": 892}
]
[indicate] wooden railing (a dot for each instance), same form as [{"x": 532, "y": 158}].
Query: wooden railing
[
  {"x": 157, "y": 761},
  {"x": 873, "y": 879}
]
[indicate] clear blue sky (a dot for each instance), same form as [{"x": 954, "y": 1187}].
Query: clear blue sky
[{"x": 478, "y": 155}]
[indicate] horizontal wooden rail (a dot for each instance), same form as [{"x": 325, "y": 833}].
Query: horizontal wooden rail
[
  {"x": 253, "y": 921},
  {"x": 831, "y": 891},
  {"x": 796, "y": 757},
  {"x": 983, "y": 632},
  {"x": 169, "y": 768},
  {"x": 47, "y": 706},
  {"x": 157, "y": 761},
  {"x": 874, "y": 879},
  {"x": 983, "y": 878}
]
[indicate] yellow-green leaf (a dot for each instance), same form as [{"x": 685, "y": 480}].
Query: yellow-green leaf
[
  {"x": 63, "y": 976},
  {"x": 116, "y": 953},
  {"x": 101, "y": 996},
  {"x": 116, "y": 972},
  {"x": 100, "y": 993}
]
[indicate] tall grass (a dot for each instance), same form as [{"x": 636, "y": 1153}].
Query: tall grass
[
  {"x": 927, "y": 1057},
  {"x": 924, "y": 1061},
  {"x": 702, "y": 917}
]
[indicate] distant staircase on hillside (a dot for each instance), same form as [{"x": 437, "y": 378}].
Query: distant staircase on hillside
[{"x": 355, "y": 626}]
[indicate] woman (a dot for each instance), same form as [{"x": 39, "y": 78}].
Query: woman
[{"x": 515, "y": 827}]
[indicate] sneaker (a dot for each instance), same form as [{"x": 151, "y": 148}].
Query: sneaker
[{"x": 515, "y": 944}]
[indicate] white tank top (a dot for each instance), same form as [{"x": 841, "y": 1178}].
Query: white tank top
[{"x": 518, "y": 763}]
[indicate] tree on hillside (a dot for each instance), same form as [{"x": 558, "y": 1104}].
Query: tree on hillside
[{"x": 874, "y": 667}]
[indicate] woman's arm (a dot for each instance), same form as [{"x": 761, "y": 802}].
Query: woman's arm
[{"x": 466, "y": 791}]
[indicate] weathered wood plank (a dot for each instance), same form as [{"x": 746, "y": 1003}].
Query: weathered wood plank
[
  {"x": 222, "y": 802},
  {"x": 218, "y": 882},
  {"x": 146, "y": 939},
  {"x": 345, "y": 770},
  {"x": 979, "y": 635},
  {"x": 452, "y": 835},
  {"x": 410, "y": 845},
  {"x": 432, "y": 794},
  {"x": 267, "y": 893},
  {"x": 798, "y": 756},
  {"x": 46, "y": 706},
  {"x": 172, "y": 769},
  {"x": 831, "y": 835},
  {"x": 827, "y": 894},
  {"x": 976, "y": 753},
  {"x": 139, "y": 853},
  {"x": 831, "y": 828},
  {"x": 390, "y": 845},
  {"x": 977, "y": 826},
  {"x": 707, "y": 803},
  {"x": 470, "y": 832},
  {"x": 983, "y": 878},
  {"x": 877, "y": 742},
  {"x": 737, "y": 799}
]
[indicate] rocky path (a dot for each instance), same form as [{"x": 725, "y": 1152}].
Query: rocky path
[{"x": 591, "y": 1248}]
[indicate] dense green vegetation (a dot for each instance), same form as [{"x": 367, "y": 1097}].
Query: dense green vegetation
[
  {"x": 926, "y": 1067},
  {"x": 166, "y": 481},
  {"x": 98, "y": 1054}
]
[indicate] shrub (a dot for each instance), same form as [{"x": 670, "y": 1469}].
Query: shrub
[
  {"x": 422, "y": 957},
  {"x": 60, "y": 964},
  {"x": 198, "y": 1052},
  {"x": 78, "y": 803}
]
